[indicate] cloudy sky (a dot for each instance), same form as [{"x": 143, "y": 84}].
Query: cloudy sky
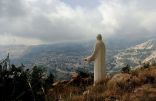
[{"x": 48, "y": 21}]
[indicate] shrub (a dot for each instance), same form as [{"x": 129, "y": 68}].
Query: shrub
[
  {"x": 126, "y": 69},
  {"x": 146, "y": 65}
]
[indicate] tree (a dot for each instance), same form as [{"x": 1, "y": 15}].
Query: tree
[
  {"x": 37, "y": 82},
  {"x": 15, "y": 85},
  {"x": 49, "y": 81},
  {"x": 146, "y": 65},
  {"x": 126, "y": 69}
]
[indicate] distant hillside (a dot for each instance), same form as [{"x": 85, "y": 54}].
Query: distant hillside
[
  {"x": 60, "y": 59},
  {"x": 63, "y": 58},
  {"x": 16, "y": 51},
  {"x": 137, "y": 55}
]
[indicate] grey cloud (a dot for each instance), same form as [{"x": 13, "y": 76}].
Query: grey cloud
[
  {"x": 147, "y": 5},
  {"x": 89, "y": 4},
  {"x": 38, "y": 25},
  {"x": 54, "y": 20},
  {"x": 135, "y": 18},
  {"x": 12, "y": 8},
  {"x": 58, "y": 30}
]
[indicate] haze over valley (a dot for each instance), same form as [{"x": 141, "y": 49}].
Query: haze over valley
[{"x": 64, "y": 58}]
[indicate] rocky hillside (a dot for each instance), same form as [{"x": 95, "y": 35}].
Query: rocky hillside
[
  {"x": 137, "y": 55},
  {"x": 137, "y": 85}
]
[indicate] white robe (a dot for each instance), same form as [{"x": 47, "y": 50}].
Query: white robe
[{"x": 98, "y": 57}]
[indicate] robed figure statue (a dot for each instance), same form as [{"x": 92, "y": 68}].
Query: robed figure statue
[{"x": 98, "y": 56}]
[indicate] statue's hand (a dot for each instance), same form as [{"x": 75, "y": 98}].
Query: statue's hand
[{"x": 88, "y": 59}]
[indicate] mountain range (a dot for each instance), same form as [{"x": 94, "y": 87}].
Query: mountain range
[{"x": 64, "y": 58}]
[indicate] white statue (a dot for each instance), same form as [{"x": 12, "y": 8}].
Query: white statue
[{"x": 98, "y": 56}]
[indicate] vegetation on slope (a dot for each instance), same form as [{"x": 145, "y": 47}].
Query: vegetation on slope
[
  {"x": 137, "y": 85},
  {"x": 17, "y": 84}
]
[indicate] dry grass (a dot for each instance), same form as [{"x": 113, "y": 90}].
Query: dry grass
[
  {"x": 76, "y": 98},
  {"x": 122, "y": 86},
  {"x": 66, "y": 92},
  {"x": 138, "y": 85}
]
